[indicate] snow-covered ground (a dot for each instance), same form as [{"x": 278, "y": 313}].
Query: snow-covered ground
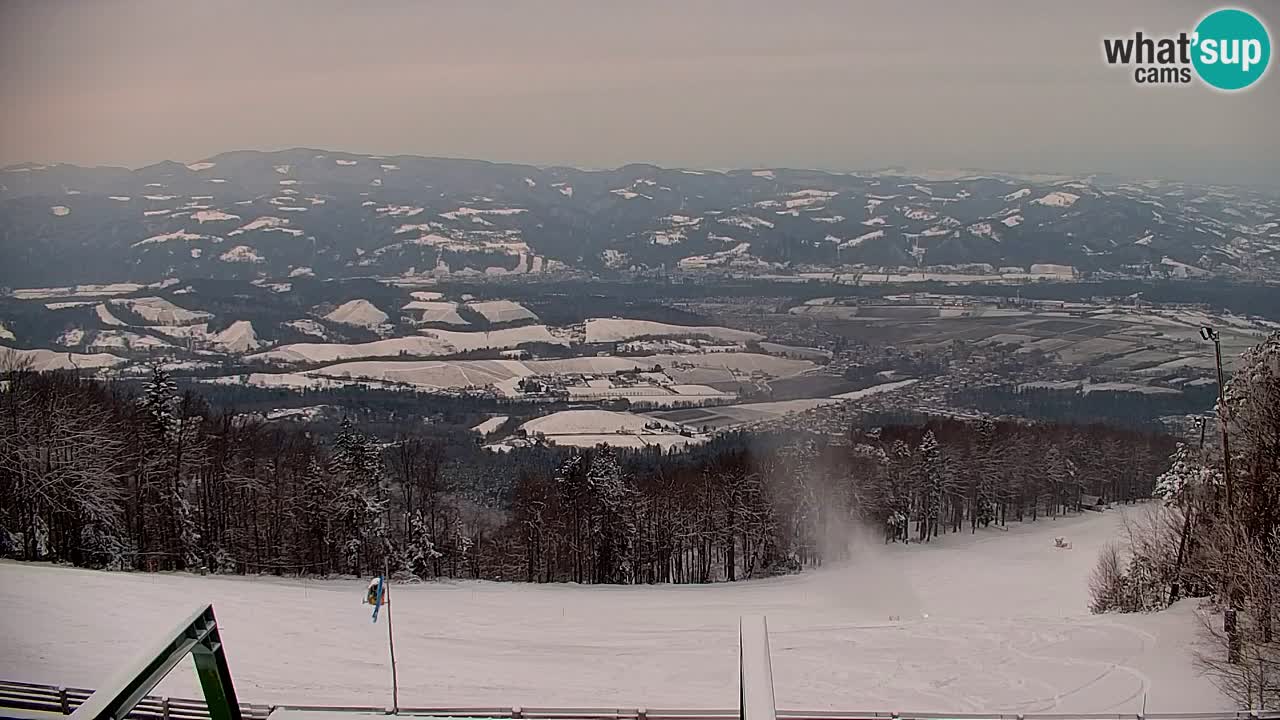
[
  {"x": 502, "y": 311},
  {"x": 360, "y": 313},
  {"x": 992, "y": 622},
  {"x": 604, "y": 330},
  {"x": 159, "y": 311},
  {"x": 430, "y": 343}
]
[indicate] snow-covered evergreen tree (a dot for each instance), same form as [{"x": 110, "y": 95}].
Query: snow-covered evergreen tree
[
  {"x": 166, "y": 433},
  {"x": 360, "y": 501},
  {"x": 932, "y": 480},
  {"x": 610, "y": 527}
]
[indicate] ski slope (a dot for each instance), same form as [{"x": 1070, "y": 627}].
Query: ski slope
[{"x": 992, "y": 622}]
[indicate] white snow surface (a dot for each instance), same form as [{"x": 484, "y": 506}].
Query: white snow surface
[
  {"x": 159, "y": 311},
  {"x": 175, "y": 235},
  {"x": 603, "y": 330},
  {"x": 491, "y": 424},
  {"x": 502, "y": 311},
  {"x": 204, "y": 216},
  {"x": 239, "y": 337},
  {"x": 431, "y": 343},
  {"x": 309, "y": 327},
  {"x": 1057, "y": 198},
  {"x": 106, "y": 318},
  {"x": 241, "y": 254},
  {"x": 435, "y": 311},
  {"x": 41, "y": 360},
  {"x": 992, "y": 622},
  {"x": 855, "y": 242},
  {"x": 265, "y": 222},
  {"x": 6, "y": 333},
  {"x": 361, "y": 313}
]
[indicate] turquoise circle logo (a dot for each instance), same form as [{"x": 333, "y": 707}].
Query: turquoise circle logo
[{"x": 1232, "y": 49}]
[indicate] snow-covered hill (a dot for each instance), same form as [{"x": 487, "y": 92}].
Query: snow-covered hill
[{"x": 251, "y": 214}]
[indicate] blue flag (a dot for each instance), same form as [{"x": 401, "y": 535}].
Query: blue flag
[{"x": 377, "y": 592}]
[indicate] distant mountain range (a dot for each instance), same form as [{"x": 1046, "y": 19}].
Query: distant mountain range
[{"x": 249, "y": 214}]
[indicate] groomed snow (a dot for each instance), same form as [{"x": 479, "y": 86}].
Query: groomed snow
[
  {"x": 992, "y": 622},
  {"x": 604, "y": 330}
]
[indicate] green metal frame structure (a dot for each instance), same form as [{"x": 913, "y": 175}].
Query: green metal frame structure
[{"x": 197, "y": 636}]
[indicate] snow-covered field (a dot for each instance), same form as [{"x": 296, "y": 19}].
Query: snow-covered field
[
  {"x": 502, "y": 311},
  {"x": 992, "y": 622},
  {"x": 430, "y": 343},
  {"x": 604, "y": 330}
]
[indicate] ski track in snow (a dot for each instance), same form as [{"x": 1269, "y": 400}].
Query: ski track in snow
[{"x": 993, "y": 622}]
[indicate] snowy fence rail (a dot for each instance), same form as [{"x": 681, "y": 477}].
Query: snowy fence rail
[
  {"x": 64, "y": 700},
  {"x": 55, "y": 700}
]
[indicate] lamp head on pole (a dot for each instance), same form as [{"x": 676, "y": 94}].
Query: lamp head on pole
[{"x": 1209, "y": 333}]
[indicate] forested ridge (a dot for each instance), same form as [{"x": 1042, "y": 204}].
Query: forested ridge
[{"x": 99, "y": 474}]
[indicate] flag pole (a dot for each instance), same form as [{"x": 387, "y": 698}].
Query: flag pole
[{"x": 391, "y": 642}]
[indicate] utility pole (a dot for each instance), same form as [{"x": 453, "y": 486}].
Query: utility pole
[{"x": 1229, "y": 615}]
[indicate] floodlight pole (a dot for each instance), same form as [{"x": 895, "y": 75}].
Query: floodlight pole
[
  {"x": 1229, "y": 622},
  {"x": 1222, "y": 425}
]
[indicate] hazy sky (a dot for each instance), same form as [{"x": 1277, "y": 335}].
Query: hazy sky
[{"x": 1017, "y": 85}]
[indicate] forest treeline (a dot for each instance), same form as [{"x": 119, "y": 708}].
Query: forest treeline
[
  {"x": 1216, "y": 536},
  {"x": 99, "y": 474}
]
